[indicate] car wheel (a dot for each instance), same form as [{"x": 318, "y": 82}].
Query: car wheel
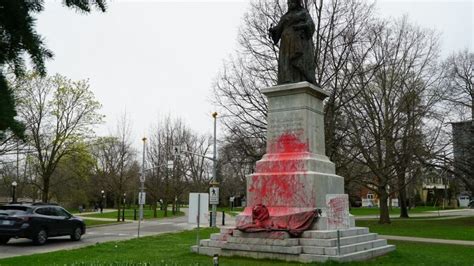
[
  {"x": 4, "y": 240},
  {"x": 41, "y": 237},
  {"x": 76, "y": 234}
]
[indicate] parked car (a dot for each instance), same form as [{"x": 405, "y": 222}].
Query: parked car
[{"x": 38, "y": 222}]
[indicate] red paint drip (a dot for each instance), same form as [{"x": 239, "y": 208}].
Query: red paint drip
[
  {"x": 287, "y": 143},
  {"x": 278, "y": 181}
]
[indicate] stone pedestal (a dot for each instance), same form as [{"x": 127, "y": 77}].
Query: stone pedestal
[
  {"x": 355, "y": 244},
  {"x": 296, "y": 176}
]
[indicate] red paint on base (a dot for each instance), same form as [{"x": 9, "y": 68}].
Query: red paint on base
[{"x": 277, "y": 181}]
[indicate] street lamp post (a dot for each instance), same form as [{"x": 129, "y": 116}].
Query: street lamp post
[
  {"x": 102, "y": 201},
  {"x": 14, "y": 184},
  {"x": 214, "y": 165},
  {"x": 142, "y": 188},
  {"x": 123, "y": 207}
]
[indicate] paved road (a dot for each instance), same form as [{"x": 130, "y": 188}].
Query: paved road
[{"x": 20, "y": 247}]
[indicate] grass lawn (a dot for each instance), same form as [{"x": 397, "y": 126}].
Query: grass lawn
[
  {"x": 147, "y": 214},
  {"x": 460, "y": 228},
  {"x": 92, "y": 223},
  {"x": 393, "y": 211},
  {"x": 174, "y": 249},
  {"x": 233, "y": 212}
]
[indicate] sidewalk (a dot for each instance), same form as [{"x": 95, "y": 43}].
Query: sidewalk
[
  {"x": 457, "y": 213},
  {"x": 429, "y": 240}
]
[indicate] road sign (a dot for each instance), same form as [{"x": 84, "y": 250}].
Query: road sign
[
  {"x": 170, "y": 164},
  {"x": 142, "y": 178},
  {"x": 198, "y": 208},
  {"x": 214, "y": 195},
  {"x": 176, "y": 150},
  {"x": 141, "y": 198}
]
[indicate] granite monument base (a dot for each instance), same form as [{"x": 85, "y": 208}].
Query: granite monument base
[{"x": 355, "y": 244}]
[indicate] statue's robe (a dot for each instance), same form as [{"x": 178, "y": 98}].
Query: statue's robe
[{"x": 296, "y": 58}]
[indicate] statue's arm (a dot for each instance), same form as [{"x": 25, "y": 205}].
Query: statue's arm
[{"x": 276, "y": 31}]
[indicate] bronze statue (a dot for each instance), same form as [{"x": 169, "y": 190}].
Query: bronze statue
[{"x": 295, "y": 30}]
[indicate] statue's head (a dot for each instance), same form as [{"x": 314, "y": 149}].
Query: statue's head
[{"x": 294, "y": 4}]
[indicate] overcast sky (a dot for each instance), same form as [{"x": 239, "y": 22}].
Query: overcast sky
[{"x": 153, "y": 58}]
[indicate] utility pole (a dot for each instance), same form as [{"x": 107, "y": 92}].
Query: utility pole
[{"x": 214, "y": 170}]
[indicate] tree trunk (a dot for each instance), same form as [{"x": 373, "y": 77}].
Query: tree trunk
[
  {"x": 402, "y": 201},
  {"x": 165, "y": 207},
  {"x": 118, "y": 209},
  {"x": 155, "y": 213},
  {"x": 384, "y": 212},
  {"x": 45, "y": 196}
]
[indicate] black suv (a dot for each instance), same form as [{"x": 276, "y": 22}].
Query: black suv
[{"x": 38, "y": 222}]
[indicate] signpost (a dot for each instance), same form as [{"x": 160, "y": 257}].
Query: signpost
[
  {"x": 141, "y": 198},
  {"x": 198, "y": 210},
  {"x": 214, "y": 195}
]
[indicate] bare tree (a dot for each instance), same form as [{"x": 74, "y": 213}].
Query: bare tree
[
  {"x": 168, "y": 185},
  {"x": 459, "y": 77},
  {"x": 386, "y": 118},
  {"x": 117, "y": 166},
  {"x": 199, "y": 168},
  {"x": 57, "y": 113}
]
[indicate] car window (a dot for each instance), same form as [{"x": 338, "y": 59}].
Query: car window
[
  {"x": 43, "y": 211},
  {"x": 62, "y": 212},
  {"x": 13, "y": 210}
]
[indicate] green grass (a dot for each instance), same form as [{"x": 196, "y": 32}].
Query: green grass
[
  {"x": 92, "y": 223},
  {"x": 393, "y": 211},
  {"x": 459, "y": 229},
  {"x": 174, "y": 249},
  {"x": 147, "y": 214},
  {"x": 234, "y": 212}
]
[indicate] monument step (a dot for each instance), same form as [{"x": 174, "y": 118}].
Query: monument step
[
  {"x": 271, "y": 235},
  {"x": 305, "y": 258},
  {"x": 333, "y": 241},
  {"x": 366, "y": 254},
  {"x": 228, "y": 230},
  {"x": 262, "y": 248},
  {"x": 216, "y": 243},
  {"x": 220, "y": 236},
  {"x": 209, "y": 251},
  {"x": 355, "y": 247},
  {"x": 264, "y": 241},
  {"x": 328, "y": 234},
  {"x": 356, "y": 256},
  {"x": 204, "y": 242}
]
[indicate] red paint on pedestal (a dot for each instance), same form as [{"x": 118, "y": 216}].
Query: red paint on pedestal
[{"x": 277, "y": 181}]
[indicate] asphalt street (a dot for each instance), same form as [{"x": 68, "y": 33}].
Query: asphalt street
[{"x": 20, "y": 247}]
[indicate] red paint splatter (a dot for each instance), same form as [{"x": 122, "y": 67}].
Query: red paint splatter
[
  {"x": 287, "y": 143},
  {"x": 279, "y": 177}
]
